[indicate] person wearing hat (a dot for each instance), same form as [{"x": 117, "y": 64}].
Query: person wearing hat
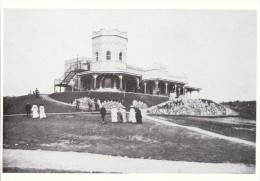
[
  {"x": 123, "y": 114},
  {"x": 132, "y": 118},
  {"x": 114, "y": 115},
  {"x": 37, "y": 93}
]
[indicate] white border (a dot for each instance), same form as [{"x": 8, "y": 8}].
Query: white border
[{"x": 227, "y": 5}]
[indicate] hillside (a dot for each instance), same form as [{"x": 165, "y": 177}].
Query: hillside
[
  {"x": 244, "y": 108},
  {"x": 16, "y": 105}
]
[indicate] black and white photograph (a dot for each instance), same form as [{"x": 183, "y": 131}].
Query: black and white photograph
[{"x": 129, "y": 90}]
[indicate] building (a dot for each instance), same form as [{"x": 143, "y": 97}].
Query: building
[{"x": 108, "y": 70}]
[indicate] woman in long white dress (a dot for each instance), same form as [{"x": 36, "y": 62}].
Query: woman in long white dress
[
  {"x": 114, "y": 115},
  {"x": 123, "y": 113},
  {"x": 42, "y": 112},
  {"x": 132, "y": 118},
  {"x": 35, "y": 113}
]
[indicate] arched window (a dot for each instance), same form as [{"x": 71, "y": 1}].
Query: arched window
[
  {"x": 120, "y": 56},
  {"x": 96, "y": 56},
  {"x": 108, "y": 55}
]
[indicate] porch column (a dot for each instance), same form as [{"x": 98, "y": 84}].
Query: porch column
[
  {"x": 179, "y": 91},
  {"x": 100, "y": 83},
  {"x": 183, "y": 90},
  {"x": 125, "y": 85},
  {"x": 166, "y": 88},
  {"x": 79, "y": 83},
  {"x": 145, "y": 87},
  {"x": 137, "y": 82},
  {"x": 114, "y": 83},
  {"x": 175, "y": 88},
  {"x": 156, "y": 87},
  {"x": 121, "y": 82},
  {"x": 95, "y": 81}
]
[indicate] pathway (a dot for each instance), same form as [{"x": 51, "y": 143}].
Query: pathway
[
  {"x": 47, "y": 98},
  {"x": 209, "y": 133},
  {"x": 86, "y": 162}
]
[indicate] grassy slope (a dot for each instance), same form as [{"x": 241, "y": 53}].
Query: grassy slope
[
  {"x": 16, "y": 105},
  {"x": 246, "y": 109},
  {"x": 243, "y": 131},
  {"x": 84, "y": 133}
]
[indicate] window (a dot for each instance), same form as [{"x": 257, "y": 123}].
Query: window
[
  {"x": 108, "y": 55},
  {"x": 96, "y": 56},
  {"x": 120, "y": 56}
]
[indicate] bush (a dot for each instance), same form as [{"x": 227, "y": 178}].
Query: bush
[
  {"x": 184, "y": 106},
  {"x": 125, "y": 99}
]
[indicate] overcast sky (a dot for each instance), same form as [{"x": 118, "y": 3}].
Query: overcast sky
[{"x": 216, "y": 49}]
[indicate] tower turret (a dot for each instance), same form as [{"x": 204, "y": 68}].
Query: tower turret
[{"x": 109, "y": 45}]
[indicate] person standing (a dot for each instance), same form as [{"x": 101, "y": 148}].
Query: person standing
[
  {"x": 96, "y": 104},
  {"x": 132, "y": 118},
  {"x": 99, "y": 104},
  {"x": 123, "y": 114},
  {"x": 77, "y": 104},
  {"x": 114, "y": 114},
  {"x": 28, "y": 108},
  {"x": 138, "y": 115},
  {"x": 42, "y": 112},
  {"x": 35, "y": 113},
  {"x": 37, "y": 93},
  {"x": 103, "y": 113}
]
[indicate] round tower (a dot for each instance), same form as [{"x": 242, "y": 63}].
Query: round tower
[{"x": 109, "y": 45}]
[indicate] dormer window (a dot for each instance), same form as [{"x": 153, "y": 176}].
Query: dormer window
[
  {"x": 120, "y": 56},
  {"x": 108, "y": 55},
  {"x": 96, "y": 56}
]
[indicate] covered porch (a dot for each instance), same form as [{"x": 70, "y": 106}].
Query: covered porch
[{"x": 117, "y": 82}]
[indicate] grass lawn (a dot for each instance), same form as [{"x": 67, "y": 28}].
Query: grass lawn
[
  {"x": 233, "y": 126},
  {"x": 16, "y": 105},
  {"x": 84, "y": 133}
]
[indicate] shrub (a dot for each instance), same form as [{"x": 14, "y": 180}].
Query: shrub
[
  {"x": 125, "y": 99},
  {"x": 184, "y": 106}
]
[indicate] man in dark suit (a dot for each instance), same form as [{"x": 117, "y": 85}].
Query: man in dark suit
[
  {"x": 77, "y": 104},
  {"x": 138, "y": 115},
  {"x": 37, "y": 93},
  {"x": 28, "y": 108},
  {"x": 103, "y": 114}
]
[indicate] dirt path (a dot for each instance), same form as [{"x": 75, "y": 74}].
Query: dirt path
[
  {"x": 39, "y": 159},
  {"x": 47, "y": 98},
  {"x": 209, "y": 133}
]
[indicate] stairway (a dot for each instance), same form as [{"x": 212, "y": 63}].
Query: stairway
[{"x": 69, "y": 74}]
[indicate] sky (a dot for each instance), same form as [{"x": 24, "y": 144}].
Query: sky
[{"x": 215, "y": 49}]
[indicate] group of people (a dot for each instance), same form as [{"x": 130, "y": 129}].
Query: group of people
[
  {"x": 36, "y": 93},
  {"x": 35, "y": 111},
  {"x": 117, "y": 116}
]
